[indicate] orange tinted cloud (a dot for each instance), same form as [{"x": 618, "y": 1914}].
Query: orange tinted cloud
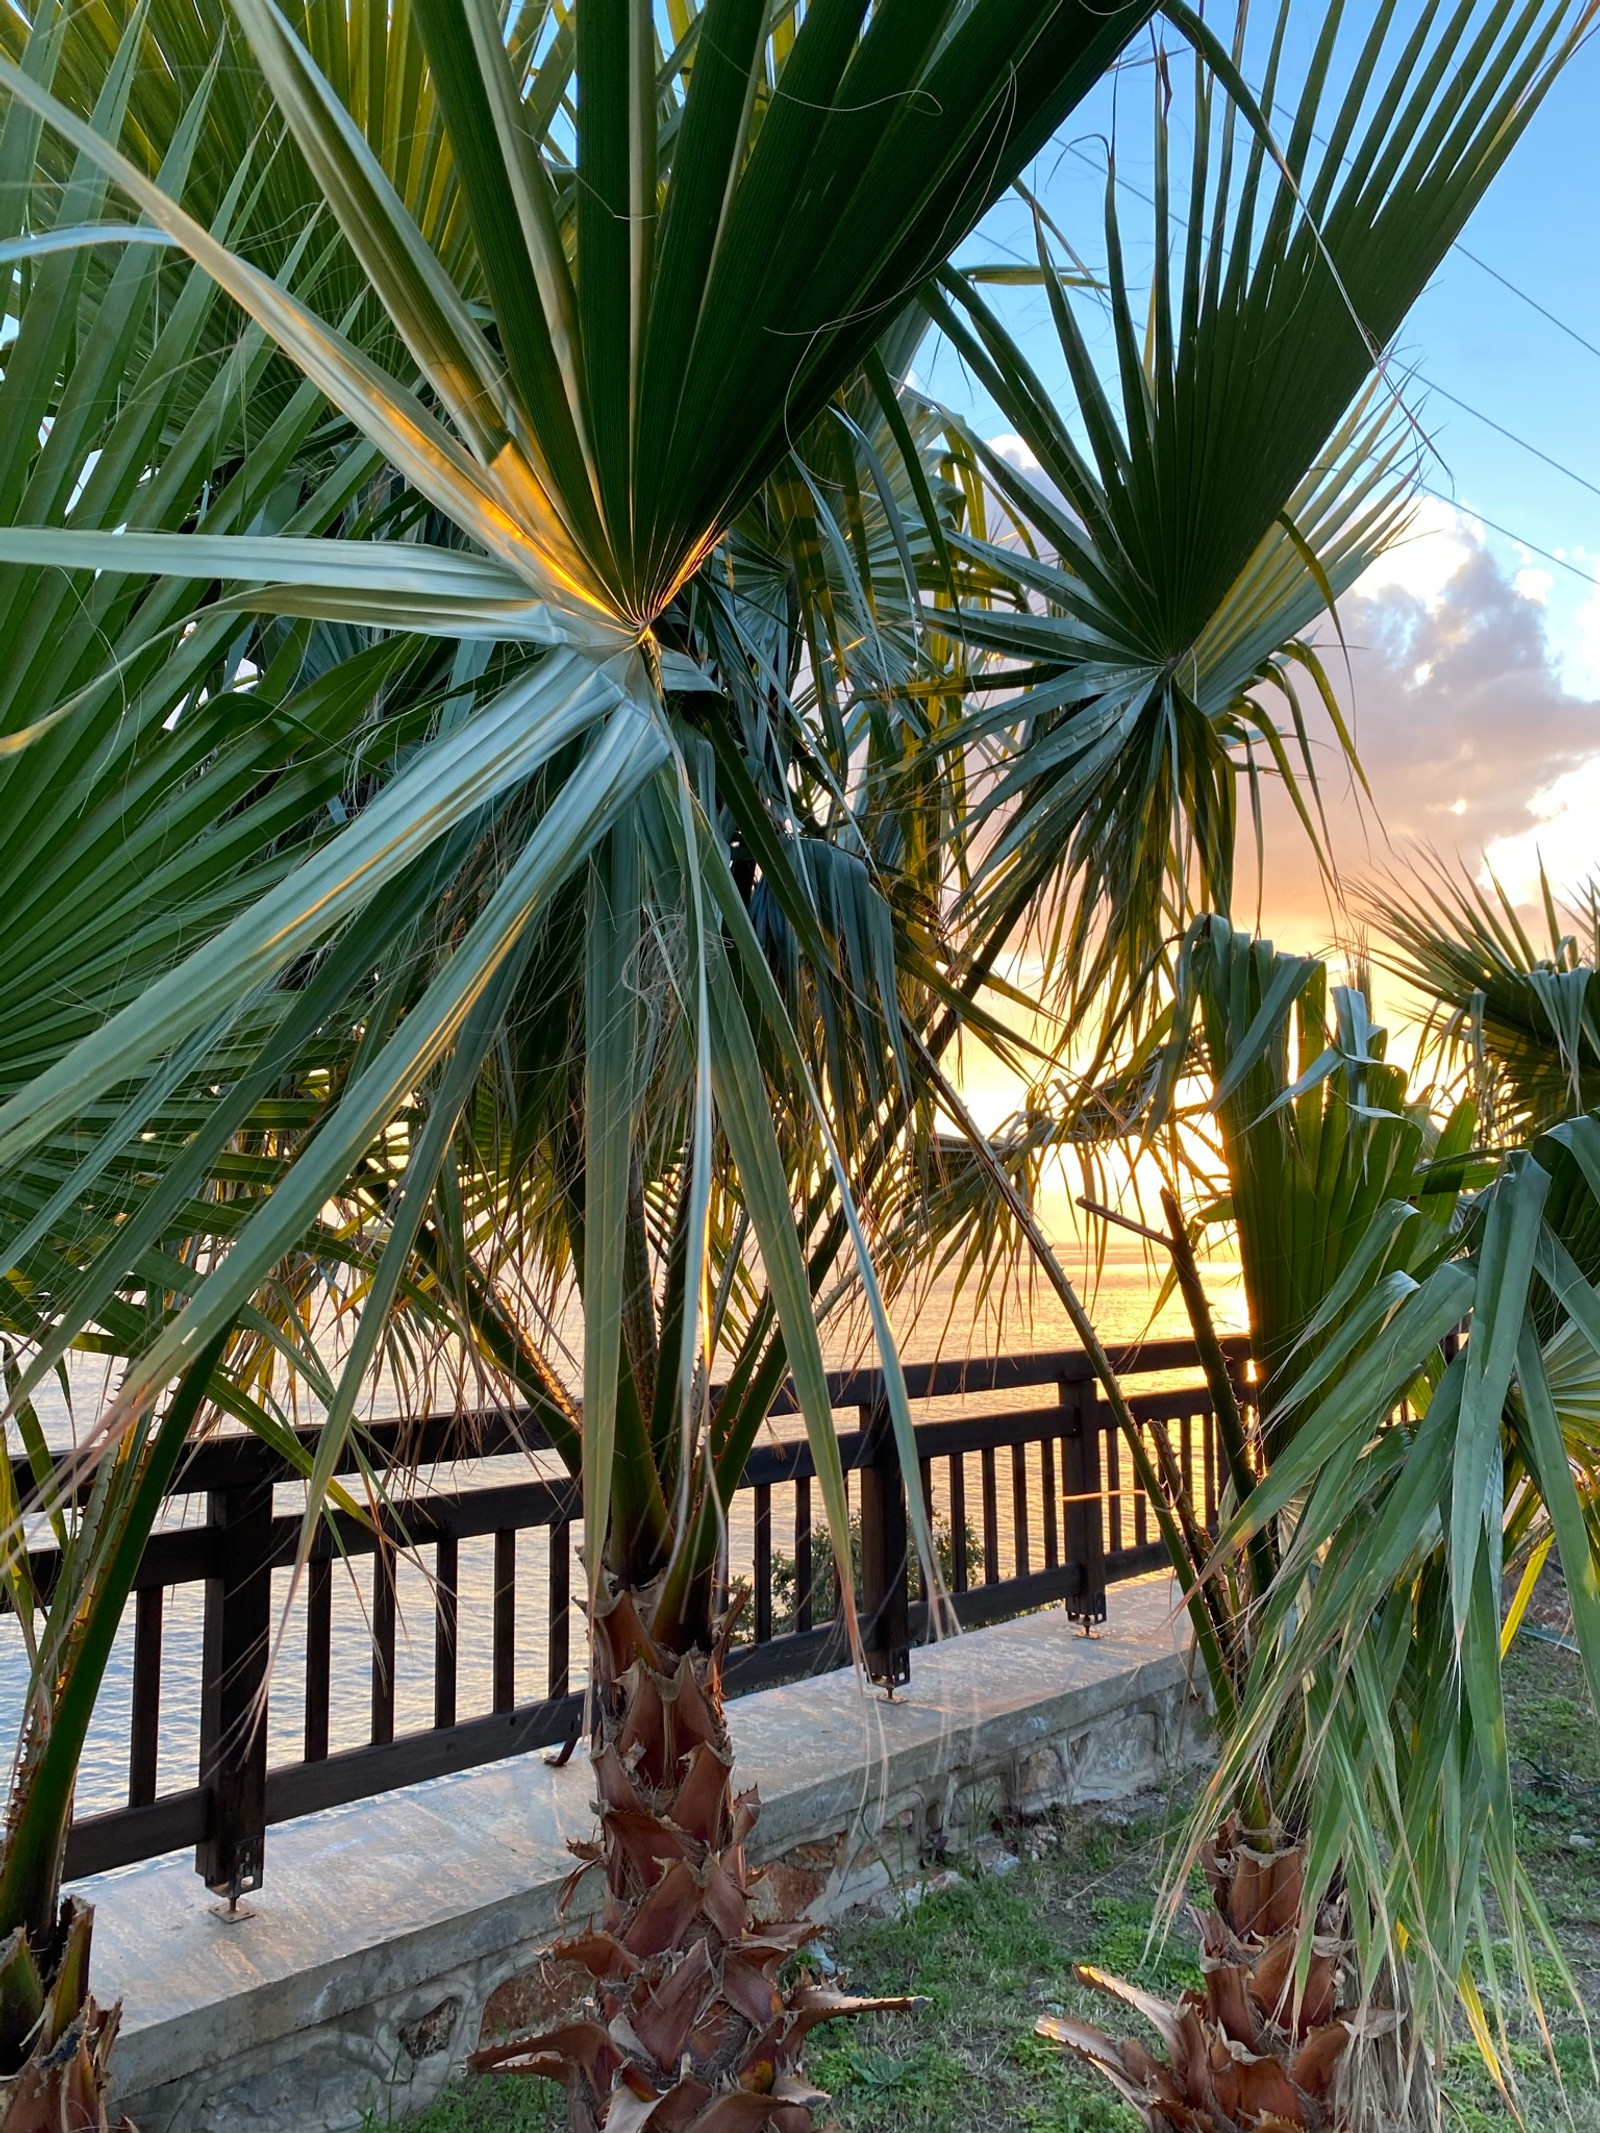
[{"x": 1461, "y": 720}]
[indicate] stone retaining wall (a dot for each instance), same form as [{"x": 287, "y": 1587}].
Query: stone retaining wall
[{"x": 392, "y": 1935}]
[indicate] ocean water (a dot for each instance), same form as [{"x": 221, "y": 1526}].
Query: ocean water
[{"x": 1122, "y": 1295}]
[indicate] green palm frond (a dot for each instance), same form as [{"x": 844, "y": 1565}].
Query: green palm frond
[
  {"x": 1520, "y": 1020},
  {"x": 1428, "y": 1347},
  {"x": 1323, "y": 1144},
  {"x": 1226, "y": 471}
]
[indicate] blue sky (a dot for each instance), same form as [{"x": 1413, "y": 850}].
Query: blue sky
[
  {"x": 1496, "y": 746},
  {"x": 1471, "y": 337}
]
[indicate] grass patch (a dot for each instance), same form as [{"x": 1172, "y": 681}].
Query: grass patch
[{"x": 507, "y": 2103}]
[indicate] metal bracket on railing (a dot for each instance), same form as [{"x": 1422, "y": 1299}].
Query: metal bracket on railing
[{"x": 231, "y": 1911}]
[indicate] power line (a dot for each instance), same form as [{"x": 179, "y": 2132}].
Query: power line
[
  {"x": 1532, "y": 302},
  {"x": 1511, "y": 436},
  {"x": 1506, "y": 533}
]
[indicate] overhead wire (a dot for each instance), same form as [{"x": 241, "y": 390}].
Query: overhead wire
[
  {"x": 1532, "y": 547},
  {"x": 1491, "y": 422},
  {"x": 1532, "y": 302}
]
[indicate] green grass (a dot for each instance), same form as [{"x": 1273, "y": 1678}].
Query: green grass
[
  {"x": 509, "y": 2104},
  {"x": 992, "y": 1952},
  {"x": 990, "y": 1955}
]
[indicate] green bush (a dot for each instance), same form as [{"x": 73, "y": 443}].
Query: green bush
[{"x": 825, "y": 1574}]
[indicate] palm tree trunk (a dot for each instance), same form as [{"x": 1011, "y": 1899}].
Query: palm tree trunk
[
  {"x": 1249, "y": 2050},
  {"x": 689, "y": 2024},
  {"x": 55, "y": 2043}
]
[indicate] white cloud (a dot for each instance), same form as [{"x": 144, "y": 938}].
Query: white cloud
[
  {"x": 1565, "y": 834},
  {"x": 1015, "y": 449},
  {"x": 1439, "y": 541},
  {"x": 1471, "y": 730},
  {"x": 1580, "y": 636}
]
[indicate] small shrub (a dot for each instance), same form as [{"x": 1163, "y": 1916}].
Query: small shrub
[{"x": 825, "y": 1574}]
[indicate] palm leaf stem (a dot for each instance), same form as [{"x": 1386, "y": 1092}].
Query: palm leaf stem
[
  {"x": 1164, "y": 1489},
  {"x": 1219, "y": 1380}
]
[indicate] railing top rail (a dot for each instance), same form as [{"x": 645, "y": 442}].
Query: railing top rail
[
  {"x": 1012, "y": 1373},
  {"x": 241, "y": 1461}
]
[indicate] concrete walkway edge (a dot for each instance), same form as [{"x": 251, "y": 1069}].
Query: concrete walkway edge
[{"x": 375, "y": 1952}]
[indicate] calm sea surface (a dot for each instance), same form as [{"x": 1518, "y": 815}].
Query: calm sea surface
[{"x": 1121, "y": 1299}]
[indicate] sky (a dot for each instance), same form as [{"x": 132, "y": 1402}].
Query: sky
[{"x": 1474, "y": 671}]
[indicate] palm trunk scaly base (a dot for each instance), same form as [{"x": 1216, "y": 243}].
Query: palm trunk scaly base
[
  {"x": 1243, "y": 2054},
  {"x": 55, "y": 2043},
  {"x": 687, "y": 2027}
]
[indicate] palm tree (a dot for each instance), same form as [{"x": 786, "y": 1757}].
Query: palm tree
[
  {"x": 1523, "y": 1024},
  {"x": 1334, "y": 1185},
  {"x": 616, "y": 276},
  {"x": 1487, "y": 1327},
  {"x": 658, "y": 270},
  {"x": 1171, "y": 564}
]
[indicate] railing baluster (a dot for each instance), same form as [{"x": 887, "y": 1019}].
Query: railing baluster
[
  {"x": 1208, "y": 1444},
  {"x": 1187, "y": 1459},
  {"x": 762, "y": 1567},
  {"x": 1022, "y": 1551},
  {"x": 959, "y": 1571},
  {"x": 319, "y": 1657},
  {"x": 991, "y": 1519},
  {"x": 1141, "y": 1528},
  {"x": 802, "y": 1553},
  {"x": 1047, "y": 1492},
  {"x": 559, "y": 1666},
  {"x": 1116, "y": 1508},
  {"x": 925, "y": 1477},
  {"x": 144, "y": 1745},
  {"x": 505, "y": 1619},
  {"x": 446, "y": 1626},
  {"x": 383, "y": 1614}
]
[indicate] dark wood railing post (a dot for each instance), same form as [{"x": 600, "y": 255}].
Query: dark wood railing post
[
  {"x": 319, "y": 1658},
  {"x": 802, "y": 1553},
  {"x": 885, "y": 1599},
  {"x": 558, "y": 1654},
  {"x": 233, "y": 1693},
  {"x": 144, "y": 1728},
  {"x": 1084, "y": 1543}
]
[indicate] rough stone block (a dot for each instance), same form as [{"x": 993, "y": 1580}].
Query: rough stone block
[
  {"x": 1116, "y": 1757},
  {"x": 793, "y": 1886},
  {"x": 1040, "y": 1783}
]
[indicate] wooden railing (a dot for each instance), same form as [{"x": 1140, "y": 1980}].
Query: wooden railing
[{"x": 1059, "y": 1522}]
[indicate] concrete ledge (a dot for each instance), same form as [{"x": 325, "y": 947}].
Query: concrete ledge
[{"x": 360, "y": 1980}]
